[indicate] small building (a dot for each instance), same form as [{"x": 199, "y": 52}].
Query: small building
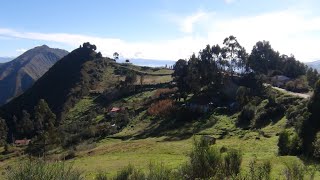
[
  {"x": 279, "y": 80},
  {"x": 22, "y": 142},
  {"x": 114, "y": 111}
]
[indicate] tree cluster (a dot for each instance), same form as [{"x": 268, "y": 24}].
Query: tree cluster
[{"x": 207, "y": 69}]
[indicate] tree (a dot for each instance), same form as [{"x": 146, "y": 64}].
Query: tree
[
  {"x": 180, "y": 74},
  {"x": 99, "y": 55},
  {"x": 263, "y": 58},
  {"x": 131, "y": 78},
  {"x": 311, "y": 125},
  {"x": 44, "y": 118},
  {"x": 116, "y": 55},
  {"x": 3, "y": 131},
  {"x": 26, "y": 127},
  {"x": 141, "y": 79},
  {"x": 45, "y": 126},
  {"x": 312, "y": 76},
  {"x": 234, "y": 54},
  {"x": 194, "y": 74}
]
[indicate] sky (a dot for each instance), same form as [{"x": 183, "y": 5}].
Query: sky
[{"x": 160, "y": 29}]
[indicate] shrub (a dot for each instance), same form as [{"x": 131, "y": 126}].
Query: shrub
[
  {"x": 158, "y": 172},
  {"x": 246, "y": 115},
  {"x": 232, "y": 163},
  {"x": 289, "y": 144},
  {"x": 101, "y": 176},
  {"x": 316, "y": 146},
  {"x": 205, "y": 162},
  {"x": 283, "y": 143},
  {"x": 161, "y": 108},
  {"x": 294, "y": 170},
  {"x": 129, "y": 173},
  {"x": 259, "y": 171},
  {"x": 164, "y": 91},
  {"x": 38, "y": 170}
]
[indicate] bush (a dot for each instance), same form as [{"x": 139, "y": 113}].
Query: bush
[
  {"x": 158, "y": 172},
  {"x": 294, "y": 170},
  {"x": 246, "y": 115},
  {"x": 283, "y": 143},
  {"x": 232, "y": 163},
  {"x": 289, "y": 144},
  {"x": 38, "y": 170},
  {"x": 101, "y": 176},
  {"x": 129, "y": 173},
  {"x": 316, "y": 146},
  {"x": 259, "y": 171},
  {"x": 161, "y": 108},
  {"x": 164, "y": 91},
  {"x": 206, "y": 162}
]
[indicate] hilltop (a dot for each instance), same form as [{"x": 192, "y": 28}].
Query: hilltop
[{"x": 18, "y": 75}]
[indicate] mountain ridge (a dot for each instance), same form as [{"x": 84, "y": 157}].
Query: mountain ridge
[{"x": 18, "y": 75}]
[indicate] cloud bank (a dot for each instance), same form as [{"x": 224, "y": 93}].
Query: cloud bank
[{"x": 289, "y": 32}]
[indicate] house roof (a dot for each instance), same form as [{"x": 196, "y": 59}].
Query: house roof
[
  {"x": 22, "y": 141},
  {"x": 115, "y": 109}
]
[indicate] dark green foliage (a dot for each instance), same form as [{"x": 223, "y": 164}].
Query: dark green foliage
[
  {"x": 41, "y": 170},
  {"x": 316, "y": 146},
  {"x": 289, "y": 144},
  {"x": 243, "y": 94},
  {"x": 26, "y": 125},
  {"x": 131, "y": 78},
  {"x": 311, "y": 125},
  {"x": 263, "y": 59},
  {"x": 44, "y": 118},
  {"x": 180, "y": 74},
  {"x": 246, "y": 115},
  {"x": 3, "y": 131},
  {"x": 257, "y": 114},
  {"x": 312, "y": 76},
  {"x": 46, "y": 132}
]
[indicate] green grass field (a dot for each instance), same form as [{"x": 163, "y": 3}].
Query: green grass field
[{"x": 111, "y": 154}]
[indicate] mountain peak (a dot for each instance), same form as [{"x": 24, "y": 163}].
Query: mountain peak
[{"x": 19, "y": 74}]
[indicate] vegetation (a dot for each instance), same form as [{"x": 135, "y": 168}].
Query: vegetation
[
  {"x": 40, "y": 170},
  {"x": 126, "y": 116}
]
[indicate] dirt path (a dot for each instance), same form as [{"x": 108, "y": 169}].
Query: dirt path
[{"x": 302, "y": 95}]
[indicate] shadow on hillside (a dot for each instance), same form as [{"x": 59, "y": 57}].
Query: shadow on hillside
[{"x": 175, "y": 130}]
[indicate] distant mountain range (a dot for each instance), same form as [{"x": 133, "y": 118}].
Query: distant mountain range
[
  {"x": 151, "y": 62},
  {"x": 18, "y": 75},
  {"x": 5, "y": 59},
  {"x": 314, "y": 64}
]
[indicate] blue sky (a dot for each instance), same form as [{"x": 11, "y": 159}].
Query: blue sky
[{"x": 160, "y": 29}]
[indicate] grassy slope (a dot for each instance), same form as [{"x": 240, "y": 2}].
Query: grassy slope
[{"x": 143, "y": 141}]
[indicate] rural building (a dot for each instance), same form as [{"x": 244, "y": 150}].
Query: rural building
[
  {"x": 22, "y": 142},
  {"x": 114, "y": 111},
  {"x": 279, "y": 80}
]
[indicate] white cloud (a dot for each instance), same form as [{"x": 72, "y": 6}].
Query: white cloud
[
  {"x": 20, "y": 51},
  {"x": 289, "y": 32},
  {"x": 187, "y": 24}
]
